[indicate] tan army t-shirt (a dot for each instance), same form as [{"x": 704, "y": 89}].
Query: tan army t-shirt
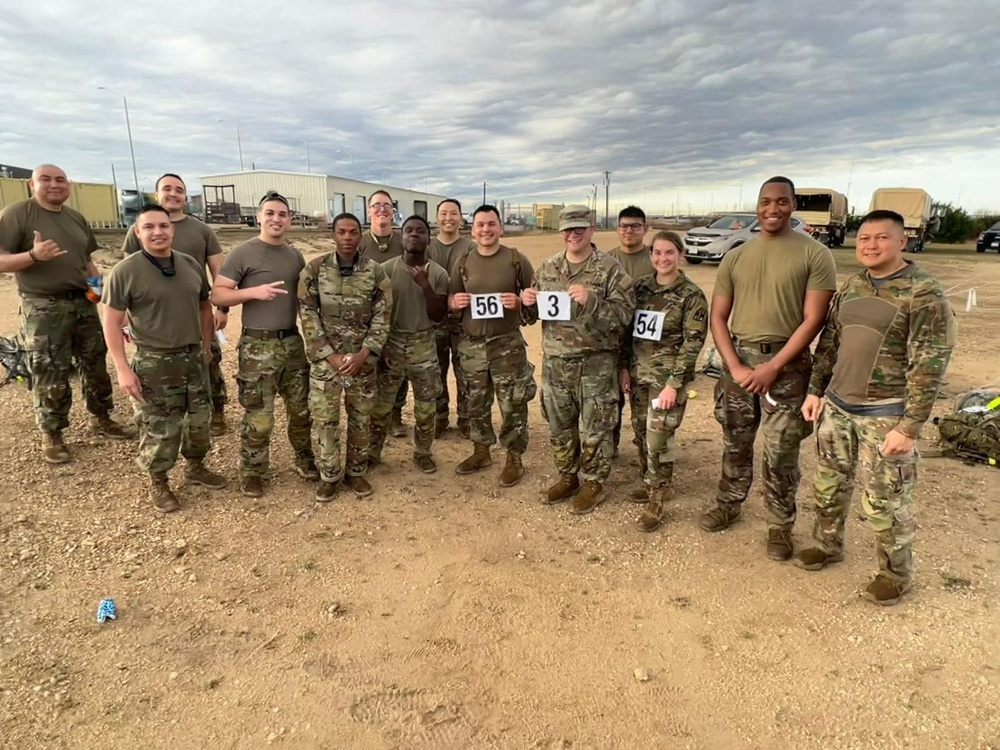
[
  {"x": 193, "y": 237},
  {"x": 767, "y": 279},
  {"x": 162, "y": 311},
  {"x": 637, "y": 264},
  {"x": 492, "y": 274},
  {"x": 381, "y": 249},
  {"x": 447, "y": 256},
  {"x": 67, "y": 228},
  {"x": 409, "y": 307},
  {"x": 255, "y": 263}
]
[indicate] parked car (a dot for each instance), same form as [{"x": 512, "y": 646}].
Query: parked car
[
  {"x": 701, "y": 236},
  {"x": 715, "y": 251},
  {"x": 989, "y": 240}
]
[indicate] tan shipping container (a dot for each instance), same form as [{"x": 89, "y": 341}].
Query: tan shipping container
[
  {"x": 97, "y": 203},
  {"x": 12, "y": 191}
]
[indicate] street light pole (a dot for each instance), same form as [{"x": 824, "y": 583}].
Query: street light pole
[
  {"x": 131, "y": 147},
  {"x": 308, "y": 165},
  {"x": 239, "y": 145}
]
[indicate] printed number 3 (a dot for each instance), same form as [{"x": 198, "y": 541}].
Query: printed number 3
[{"x": 554, "y": 306}]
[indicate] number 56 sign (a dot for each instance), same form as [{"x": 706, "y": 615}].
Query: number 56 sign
[{"x": 553, "y": 305}]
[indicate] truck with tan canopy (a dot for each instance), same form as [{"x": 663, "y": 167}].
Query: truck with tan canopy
[
  {"x": 825, "y": 210},
  {"x": 917, "y": 209}
]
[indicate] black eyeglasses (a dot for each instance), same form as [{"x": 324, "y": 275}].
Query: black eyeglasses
[{"x": 165, "y": 270}]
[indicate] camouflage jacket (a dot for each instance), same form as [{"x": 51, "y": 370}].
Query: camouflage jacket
[
  {"x": 596, "y": 326},
  {"x": 887, "y": 346},
  {"x": 671, "y": 360},
  {"x": 341, "y": 314}
]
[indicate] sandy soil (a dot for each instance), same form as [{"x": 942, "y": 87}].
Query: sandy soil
[{"x": 445, "y": 612}]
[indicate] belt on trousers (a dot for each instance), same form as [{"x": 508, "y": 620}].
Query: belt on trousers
[
  {"x": 72, "y": 294},
  {"x": 766, "y": 347},
  {"x": 172, "y": 350},
  {"x": 259, "y": 333}
]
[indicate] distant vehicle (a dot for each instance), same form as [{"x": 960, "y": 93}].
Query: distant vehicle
[
  {"x": 920, "y": 217},
  {"x": 699, "y": 237},
  {"x": 716, "y": 251},
  {"x": 989, "y": 240},
  {"x": 825, "y": 211}
]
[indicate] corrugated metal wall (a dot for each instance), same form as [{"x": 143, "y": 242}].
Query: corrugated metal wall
[{"x": 307, "y": 192}]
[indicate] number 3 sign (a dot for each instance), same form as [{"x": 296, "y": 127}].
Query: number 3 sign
[
  {"x": 553, "y": 305},
  {"x": 486, "y": 306}
]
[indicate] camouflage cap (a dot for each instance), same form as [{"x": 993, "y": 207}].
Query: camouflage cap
[{"x": 573, "y": 216}]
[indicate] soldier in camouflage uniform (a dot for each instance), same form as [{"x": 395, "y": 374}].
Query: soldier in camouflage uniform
[
  {"x": 484, "y": 288},
  {"x": 419, "y": 303},
  {"x": 770, "y": 300},
  {"x": 344, "y": 303},
  {"x": 48, "y": 248},
  {"x": 272, "y": 360},
  {"x": 580, "y": 355},
  {"x": 199, "y": 241},
  {"x": 446, "y": 250},
  {"x": 163, "y": 296},
  {"x": 879, "y": 364},
  {"x": 659, "y": 353}
]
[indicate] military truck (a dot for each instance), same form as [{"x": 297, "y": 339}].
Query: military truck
[
  {"x": 825, "y": 210},
  {"x": 917, "y": 209}
]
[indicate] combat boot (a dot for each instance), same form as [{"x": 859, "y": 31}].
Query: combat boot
[
  {"x": 513, "y": 470},
  {"x": 425, "y": 463},
  {"x": 721, "y": 517},
  {"x": 479, "y": 459},
  {"x": 197, "y": 473},
  {"x": 105, "y": 426},
  {"x": 54, "y": 450},
  {"x": 440, "y": 427},
  {"x": 591, "y": 495},
  {"x": 564, "y": 489},
  {"x": 886, "y": 591},
  {"x": 652, "y": 516},
  {"x": 306, "y": 468},
  {"x": 252, "y": 486},
  {"x": 359, "y": 485},
  {"x": 816, "y": 558},
  {"x": 325, "y": 491},
  {"x": 217, "y": 425},
  {"x": 639, "y": 495},
  {"x": 779, "y": 544},
  {"x": 161, "y": 495},
  {"x": 397, "y": 428}
]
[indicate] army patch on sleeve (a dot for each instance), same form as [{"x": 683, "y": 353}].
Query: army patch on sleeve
[{"x": 699, "y": 315}]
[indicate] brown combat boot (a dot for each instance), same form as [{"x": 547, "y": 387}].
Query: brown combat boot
[
  {"x": 564, "y": 489},
  {"x": 54, "y": 450},
  {"x": 885, "y": 591},
  {"x": 397, "y": 428},
  {"x": 425, "y": 463},
  {"x": 325, "y": 491},
  {"x": 721, "y": 517},
  {"x": 161, "y": 495},
  {"x": 105, "y": 426},
  {"x": 779, "y": 544},
  {"x": 217, "y": 425},
  {"x": 479, "y": 459},
  {"x": 359, "y": 485},
  {"x": 440, "y": 427},
  {"x": 197, "y": 473},
  {"x": 252, "y": 486},
  {"x": 816, "y": 558},
  {"x": 640, "y": 494},
  {"x": 591, "y": 495},
  {"x": 513, "y": 470},
  {"x": 652, "y": 516}
]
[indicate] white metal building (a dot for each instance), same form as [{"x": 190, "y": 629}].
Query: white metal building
[{"x": 319, "y": 196}]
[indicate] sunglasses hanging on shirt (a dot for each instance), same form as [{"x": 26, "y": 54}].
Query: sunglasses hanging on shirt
[{"x": 165, "y": 270}]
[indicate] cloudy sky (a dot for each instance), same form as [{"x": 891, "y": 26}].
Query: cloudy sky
[{"x": 688, "y": 104}]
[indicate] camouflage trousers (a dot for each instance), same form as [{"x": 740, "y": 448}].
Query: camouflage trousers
[
  {"x": 654, "y": 432},
  {"x": 269, "y": 368},
  {"x": 175, "y": 409},
  {"x": 580, "y": 403},
  {"x": 498, "y": 364},
  {"x": 61, "y": 334},
  {"x": 779, "y": 415},
  {"x": 216, "y": 381},
  {"x": 327, "y": 388},
  {"x": 843, "y": 442},
  {"x": 448, "y": 338},
  {"x": 412, "y": 356}
]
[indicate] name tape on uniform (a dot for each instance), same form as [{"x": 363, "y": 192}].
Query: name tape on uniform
[
  {"x": 486, "y": 306},
  {"x": 553, "y": 305},
  {"x": 648, "y": 325}
]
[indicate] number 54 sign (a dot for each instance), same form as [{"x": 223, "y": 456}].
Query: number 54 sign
[{"x": 648, "y": 324}]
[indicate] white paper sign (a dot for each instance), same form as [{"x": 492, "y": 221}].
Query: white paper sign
[
  {"x": 553, "y": 305},
  {"x": 648, "y": 325},
  {"x": 486, "y": 306}
]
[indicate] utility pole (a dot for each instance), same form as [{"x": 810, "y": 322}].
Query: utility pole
[
  {"x": 607, "y": 194},
  {"x": 484, "y": 193}
]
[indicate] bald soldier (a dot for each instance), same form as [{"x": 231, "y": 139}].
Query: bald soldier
[
  {"x": 194, "y": 238},
  {"x": 48, "y": 247}
]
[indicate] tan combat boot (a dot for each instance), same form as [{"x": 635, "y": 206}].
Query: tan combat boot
[
  {"x": 105, "y": 426},
  {"x": 591, "y": 495},
  {"x": 652, "y": 515},
  {"x": 817, "y": 558},
  {"x": 252, "y": 486},
  {"x": 161, "y": 495},
  {"x": 564, "y": 489},
  {"x": 325, "y": 491},
  {"x": 513, "y": 470},
  {"x": 721, "y": 517},
  {"x": 360, "y": 485},
  {"x": 479, "y": 459},
  {"x": 197, "y": 473},
  {"x": 886, "y": 591},
  {"x": 779, "y": 544},
  {"x": 54, "y": 450}
]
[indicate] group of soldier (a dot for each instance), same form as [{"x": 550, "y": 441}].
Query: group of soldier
[{"x": 389, "y": 311}]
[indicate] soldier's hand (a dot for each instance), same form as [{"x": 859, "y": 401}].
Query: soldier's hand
[
  {"x": 207, "y": 354},
  {"x": 354, "y": 362},
  {"x": 460, "y": 301},
  {"x": 578, "y": 293},
  {"x": 128, "y": 381},
  {"x": 529, "y": 296},
  {"x": 625, "y": 380},
  {"x": 419, "y": 273},
  {"x": 44, "y": 250},
  {"x": 509, "y": 300},
  {"x": 336, "y": 361},
  {"x": 221, "y": 319},
  {"x": 667, "y": 398},
  {"x": 896, "y": 444},
  {"x": 811, "y": 408},
  {"x": 760, "y": 378},
  {"x": 267, "y": 292}
]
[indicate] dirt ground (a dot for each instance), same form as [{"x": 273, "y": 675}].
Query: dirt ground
[{"x": 445, "y": 612}]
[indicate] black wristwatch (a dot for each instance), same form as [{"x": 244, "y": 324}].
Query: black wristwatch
[{"x": 223, "y": 310}]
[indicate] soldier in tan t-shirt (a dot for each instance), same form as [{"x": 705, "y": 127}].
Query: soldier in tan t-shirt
[
  {"x": 163, "y": 296},
  {"x": 770, "y": 301},
  {"x": 194, "y": 238},
  {"x": 419, "y": 303},
  {"x": 263, "y": 275}
]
